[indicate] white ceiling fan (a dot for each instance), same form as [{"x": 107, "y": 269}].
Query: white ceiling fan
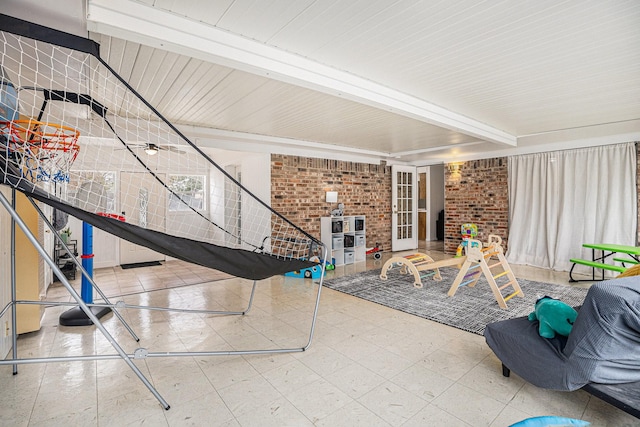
[{"x": 152, "y": 149}]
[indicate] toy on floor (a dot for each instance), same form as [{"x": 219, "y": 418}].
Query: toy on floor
[
  {"x": 328, "y": 265},
  {"x": 550, "y": 421},
  {"x": 555, "y": 317},
  {"x": 375, "y": 251},
  {"x": 414, "y": 264},
  {"x": 314, "y": 272},
  {"x": 478, "y": 261},
  {"x": 468, "y": 231}
]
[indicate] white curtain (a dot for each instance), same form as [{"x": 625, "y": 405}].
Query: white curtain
[{"x": 560, "y": 200}]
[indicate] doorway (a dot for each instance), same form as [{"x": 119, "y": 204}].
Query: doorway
[
  {"x": 404, "y": 218},
  {"x": 422, "y": 206},
  {"x": 431, "y": 203},
  {"x": 135, "y": 206}
]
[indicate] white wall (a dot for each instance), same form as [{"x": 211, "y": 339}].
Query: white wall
[{"x": 255, "y": 170}]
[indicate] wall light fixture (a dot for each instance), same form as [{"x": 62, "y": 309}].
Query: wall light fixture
[{"x": 454, "y": 169}]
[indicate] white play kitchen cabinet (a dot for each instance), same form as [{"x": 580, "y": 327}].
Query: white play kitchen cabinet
[{"x": 344, "y": 237}]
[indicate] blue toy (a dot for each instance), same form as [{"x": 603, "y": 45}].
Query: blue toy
[
  {"x": 314, "y": 272},
  {"x": 555, "y": 317},
  {"x": 550, "y": 421}
]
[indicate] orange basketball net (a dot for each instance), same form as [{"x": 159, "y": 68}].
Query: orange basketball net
[{"x": 44, "y": 151}]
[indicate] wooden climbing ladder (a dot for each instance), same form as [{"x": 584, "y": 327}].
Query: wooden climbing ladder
[{"x": 481, "y": 260}]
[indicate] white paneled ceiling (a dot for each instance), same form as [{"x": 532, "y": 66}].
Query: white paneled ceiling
[
  {"x": 412, "y": 81},
  {"x": 195, "y": 92}
]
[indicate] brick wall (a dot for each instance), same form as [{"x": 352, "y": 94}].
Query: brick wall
[
  {"x": 480, "y": 196},
  {"x": 298, "y": 186}
]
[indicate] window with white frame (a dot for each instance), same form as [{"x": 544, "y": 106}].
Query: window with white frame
[
  {"x": 187, "y": 192},
  {"x": 103, "y": 180}
]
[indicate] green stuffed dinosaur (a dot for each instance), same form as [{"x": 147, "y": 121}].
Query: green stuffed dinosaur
[{"x": 555, "y": 317}]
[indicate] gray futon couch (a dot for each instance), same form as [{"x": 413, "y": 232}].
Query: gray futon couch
[{"x": 601, "y": 355}]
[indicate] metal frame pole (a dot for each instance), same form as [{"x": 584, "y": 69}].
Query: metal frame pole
[{"x": 43, "y": 253}]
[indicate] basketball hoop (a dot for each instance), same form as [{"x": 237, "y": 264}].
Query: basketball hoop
[{"x": 43, "y": 151}]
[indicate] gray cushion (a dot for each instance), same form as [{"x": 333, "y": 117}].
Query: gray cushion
[{"x": 603, "y": 347}]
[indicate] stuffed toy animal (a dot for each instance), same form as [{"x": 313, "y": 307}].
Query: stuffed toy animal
[{"x": 555, "y": 317}]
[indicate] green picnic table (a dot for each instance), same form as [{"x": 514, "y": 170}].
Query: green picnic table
[{"x": 599, "y": 262}]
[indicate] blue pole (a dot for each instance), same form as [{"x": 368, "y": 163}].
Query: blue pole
[
  {"x": 76, "y": 316},
  {"x": 86, "y": 290}
]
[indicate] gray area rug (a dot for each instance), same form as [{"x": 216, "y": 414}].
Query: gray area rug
[{"x": 470, "y": 309}]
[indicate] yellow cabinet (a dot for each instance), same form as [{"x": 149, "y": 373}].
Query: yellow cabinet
[{"x": 29, "y": 277}]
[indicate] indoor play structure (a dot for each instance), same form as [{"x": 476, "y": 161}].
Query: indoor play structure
[
  {"x": 66, "y": 114},
  {"x": 478, "y": 260},
  {"x": 420, "y": 265}
]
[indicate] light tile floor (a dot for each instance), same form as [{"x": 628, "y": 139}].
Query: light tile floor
[{"x": 368, "y": 365}]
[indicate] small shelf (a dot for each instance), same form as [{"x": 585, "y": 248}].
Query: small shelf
[
  {"x": 345, "y": 238},
  {"x": 63, "y": 259}
]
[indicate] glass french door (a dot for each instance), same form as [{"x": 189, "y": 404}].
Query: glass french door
[{"x": 404, "y": 219}]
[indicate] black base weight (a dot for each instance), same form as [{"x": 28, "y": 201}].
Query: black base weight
[{"x": 77, "y": 317}]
